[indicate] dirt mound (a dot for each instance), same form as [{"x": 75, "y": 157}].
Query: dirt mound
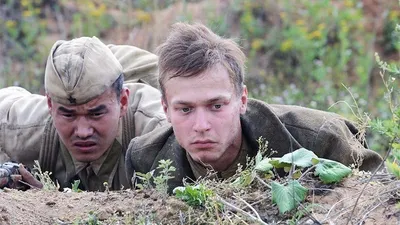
[{"x": 375, "y": 202}]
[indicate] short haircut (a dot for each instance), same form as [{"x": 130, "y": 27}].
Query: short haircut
[
  {"x": 192, "y": 49},
  {"x": 117, "y": 85}
]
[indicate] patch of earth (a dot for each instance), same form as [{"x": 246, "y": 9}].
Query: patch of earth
[{"x": 375, "y": 202}]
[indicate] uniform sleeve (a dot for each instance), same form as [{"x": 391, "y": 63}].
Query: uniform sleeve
[
  {"x": 145, "y": 102},
  {"x": 339, "y": 140},
  {"x": 138, "y": 65},
  {"x": 22, "y": 120}
]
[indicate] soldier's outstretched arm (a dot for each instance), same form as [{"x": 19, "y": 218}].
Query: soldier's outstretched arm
[{"x": 23, "y": 117}]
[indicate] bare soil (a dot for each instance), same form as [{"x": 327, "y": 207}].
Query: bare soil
[{"x": 356, "y": 200}]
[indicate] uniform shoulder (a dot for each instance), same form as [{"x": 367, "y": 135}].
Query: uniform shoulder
[{"x": 151, "y": 141}]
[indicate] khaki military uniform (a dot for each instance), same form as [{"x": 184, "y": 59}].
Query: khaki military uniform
[
  {"x": 286, "y": 128},
  {"x": 27, "y": 132}
]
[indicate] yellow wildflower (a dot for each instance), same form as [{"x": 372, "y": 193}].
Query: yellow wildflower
[
  {"x": 283, "y": 15},
  {"x": 393, "y": 15},
  {"x": 348, "y": 3},
  {"x": 314, "y": 35},
  {"x": 25, "y": 3},
  {"x": 143, "y": 16},
  {"x": 10, "y": 24},
  {"x": 286, "y": 45},
  {"x": 97, "y": 12},
  {"x": 256, "y": 44},
  {"x": 321, "y": 26},
  {"x": 27, "y": 13},
  {"x": 344, "y": 26},
  {"x": 91, "y": 6},
  {"x": 303, "y": 30},
  {"x": 300, "y": 22}
]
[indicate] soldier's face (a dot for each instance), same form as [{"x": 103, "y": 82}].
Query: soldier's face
[
  {"x": 88, "y": 130},
  {"x": 204, "y": 111}
]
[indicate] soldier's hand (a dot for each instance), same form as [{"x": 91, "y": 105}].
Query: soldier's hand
[{"x": 27, "y": 177}]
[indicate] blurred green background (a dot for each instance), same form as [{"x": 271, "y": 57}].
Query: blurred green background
[{"x": 314, "y": 53}]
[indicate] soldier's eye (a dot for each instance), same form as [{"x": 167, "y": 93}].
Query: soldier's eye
[{"x": 185, "y": 110}]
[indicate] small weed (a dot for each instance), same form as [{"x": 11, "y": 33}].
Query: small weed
[
  {"x": 75, "y": 186},
  {"x": 194, "y": 195},
  {"x": 161, "y": 181},
  {"x": 44, "y": 178},
  {"x": 91, "y": 220},
  {"x": 145, "y": 180}
]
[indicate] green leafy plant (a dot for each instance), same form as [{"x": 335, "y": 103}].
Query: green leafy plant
[
  {"x": 145, "y": 180},
  {"x": 75, "y": 186},
  {"x": 295, "y": 162},
  {"x": 161, "y": 181},
  {"x": 258, "y": 164},
  {"x": 91, "y": 220},
  {"x": 390, "y": 127},
  {"x": 194, "y": 195},
  {"x": 330, "y": 171},
  {"x": 288, "y": 197}
]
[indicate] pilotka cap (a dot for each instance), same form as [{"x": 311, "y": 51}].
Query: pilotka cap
[{"x": 80, "y": 70}]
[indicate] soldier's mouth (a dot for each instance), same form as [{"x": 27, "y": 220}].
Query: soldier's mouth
[{"x": 85, "y": 146}]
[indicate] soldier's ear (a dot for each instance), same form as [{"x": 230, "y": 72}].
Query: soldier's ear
[
  {"x": 243, "y": 99},
  {"x": 124, "y": 101},
  {"x": 49, "y": 104},
  {"x": 165, "y": 108}
]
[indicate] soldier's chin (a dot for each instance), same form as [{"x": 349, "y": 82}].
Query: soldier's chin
[
  {"x": 204, "y": 159},
  {"x": 86, "y": 157}
]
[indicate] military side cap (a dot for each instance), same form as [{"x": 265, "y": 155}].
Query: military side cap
[{"x": 80, "y": 70}]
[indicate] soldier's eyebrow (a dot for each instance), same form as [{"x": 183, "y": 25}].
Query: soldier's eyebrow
[
  {"x": 97, "y": 109},
  {"x": 65, "y": 110}
]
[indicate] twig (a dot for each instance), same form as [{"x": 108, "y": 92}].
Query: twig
[
  {"x": 248, "y": 205},
  {"x": 31, "y": 186},
  {"x": 263, "y": 182},
  {"x": 366, "y": 214},
  {"x": 257, "y": 202},
  {"x": 240, "y": 210},
  {"x": 365, "y": 186},
  {"x": 316, "y": 222},
  {"x": 307, "y": 171}
]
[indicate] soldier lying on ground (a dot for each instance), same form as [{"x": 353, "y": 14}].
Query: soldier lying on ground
[
  {"x": 214, "y": 125},
  {"x": 82, "y": 127}
]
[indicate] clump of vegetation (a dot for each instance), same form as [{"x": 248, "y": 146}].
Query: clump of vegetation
[
  {"x": 390, "y": 127},
  {"x": 160, "y": 181},
  {"x": 44, "y": 178},
  {"x": 194, "y": 195},
  {"x": 90, "y": 220}
]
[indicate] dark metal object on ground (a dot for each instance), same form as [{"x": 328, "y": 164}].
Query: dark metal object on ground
[{"x": 7, "y": 170}]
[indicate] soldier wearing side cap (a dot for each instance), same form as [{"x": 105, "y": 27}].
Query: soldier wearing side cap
[{"x": 97, "y": 99}]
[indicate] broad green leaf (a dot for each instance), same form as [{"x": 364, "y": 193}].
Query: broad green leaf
[
  {"x": 277, "y": 164},
  {"x": 330, "y": 171},
  {"x": 288, "y": 197},
  {"x": 245, "y": 179},
  {"x": 297, "y": 174},
  {"x": 314, "y": 161},
  {"x": 301, "y": 157},
  {"x": 263, "y": 165}
]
